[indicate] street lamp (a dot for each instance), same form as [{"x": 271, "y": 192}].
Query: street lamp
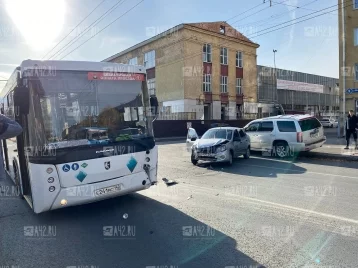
[{"x": 274, "y": 63}]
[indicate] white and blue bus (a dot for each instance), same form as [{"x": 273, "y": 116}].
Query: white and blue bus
[{"x": 75, "y": 147}]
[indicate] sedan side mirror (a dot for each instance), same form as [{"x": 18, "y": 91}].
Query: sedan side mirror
[{"x": 193, "y": 139}]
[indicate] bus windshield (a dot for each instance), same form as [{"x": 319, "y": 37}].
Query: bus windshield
[{"x": 69, "y": 109}]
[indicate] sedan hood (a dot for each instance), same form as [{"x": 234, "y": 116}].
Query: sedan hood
[{"x": 210, "y": 142}]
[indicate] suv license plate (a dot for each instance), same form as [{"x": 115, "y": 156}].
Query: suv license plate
[{"x": 107, "y": 190}]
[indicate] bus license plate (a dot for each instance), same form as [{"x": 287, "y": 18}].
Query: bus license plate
[{"x": 107, "y": 190}]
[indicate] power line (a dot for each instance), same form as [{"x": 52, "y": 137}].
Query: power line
[
  {"x": 74, "y": 28},
  {"x": 103, "y": 29},
  {"x": 296, "y": 22},
  {"x": 110, "y": 10},
  {"x": 256, "y": 12},
  {"x": 297, "y": 6},
  {"x": 274, "y": 17},
  {"x": 245, "y": 11}
]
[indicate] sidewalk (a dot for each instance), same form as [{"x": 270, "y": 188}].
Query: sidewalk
[{"x": 333, "y": 152}]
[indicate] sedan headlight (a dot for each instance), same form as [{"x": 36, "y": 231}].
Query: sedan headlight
[{"x": 222, "y": 148}]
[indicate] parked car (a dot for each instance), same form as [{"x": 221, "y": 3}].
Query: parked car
[
  {"x": 221, "y": 144},
  {"x": 325, "y": 122},
  {"x": 335, "y": 123},
  {"x": 285, "y": 134}
]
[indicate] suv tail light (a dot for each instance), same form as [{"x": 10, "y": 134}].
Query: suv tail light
[{"x": 299, "y": 137}]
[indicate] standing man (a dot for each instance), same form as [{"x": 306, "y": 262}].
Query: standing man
[
  {"x": 8, "y": 129},
  {"x": 351, "y": 128}
]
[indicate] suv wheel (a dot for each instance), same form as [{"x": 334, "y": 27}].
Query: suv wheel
[{"x": 281, "y": 149}]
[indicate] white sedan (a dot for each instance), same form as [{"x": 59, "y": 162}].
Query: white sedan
[{"x": 328, "y": 123}]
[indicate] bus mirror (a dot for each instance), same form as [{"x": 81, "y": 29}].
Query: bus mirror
[
  {"x": 21, "y": 99},
  {"x": 154, "y": 104}
]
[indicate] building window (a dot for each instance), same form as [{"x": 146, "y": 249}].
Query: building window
[
  {"x": 356, "y": 71},
  {"x": 207, "y": 53},
  {"x": 223, "y": 84},
  {"x": 238, "y": 86},
  {"x": 207, "y": 83},
  {"x": 149, "y": 59},
  {"x": 355, "y": 36},
  {"x": 239, "y": 59},
  {"x": 133, "y": 61},
  {"x": 355, "y": 4},
  {"x": 222, "y": 29},
  {"x": 223, "y": 55},
  {"x": 151, "y": 86}
]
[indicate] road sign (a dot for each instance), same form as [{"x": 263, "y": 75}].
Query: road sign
[{"x": 352, "y": 90}]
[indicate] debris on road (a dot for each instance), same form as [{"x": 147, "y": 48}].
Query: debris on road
[
  {"x": 169, "y": 182},
  {"x": 216, "y": 194},
  {"x": 190, "y": 197}
]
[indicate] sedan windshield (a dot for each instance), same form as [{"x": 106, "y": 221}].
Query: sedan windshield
[{"x": 218, "y": 134}]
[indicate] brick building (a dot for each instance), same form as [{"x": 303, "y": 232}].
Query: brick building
[{"x": 198, "y": 70}]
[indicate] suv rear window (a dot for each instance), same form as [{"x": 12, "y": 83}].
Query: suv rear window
[
  {"x": 286, "y": 126},
  {"x": 309, "y": 123}
]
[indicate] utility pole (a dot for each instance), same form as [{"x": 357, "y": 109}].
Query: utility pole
[
  {"x": 275, "y": 77},
  {"x": 343, "y": 70}
]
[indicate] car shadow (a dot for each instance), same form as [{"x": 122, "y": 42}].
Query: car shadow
[
  {"x": 161, "y": 236},
  {"x": 306, "y": 158},
  {"x": 256, "y": 167}
]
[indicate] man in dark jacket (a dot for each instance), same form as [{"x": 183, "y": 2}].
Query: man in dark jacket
[
  {"x": 8, "y": 129},
  {"x": 351, "y": 128}
]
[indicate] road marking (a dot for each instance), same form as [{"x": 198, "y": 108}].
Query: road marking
[
  {"x": 318, "y": 173},
  {"x": 268, "y": 203}
]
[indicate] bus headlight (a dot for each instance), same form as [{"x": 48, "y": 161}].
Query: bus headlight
[
  {"x": 50, "y": 180},
  {"x": 63, "y": 202},
  {"x": 49, "y": 170},
  {"x": 52, "y": 188}
]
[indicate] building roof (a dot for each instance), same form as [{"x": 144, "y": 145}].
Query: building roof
[{"x": 213, "y": 27}]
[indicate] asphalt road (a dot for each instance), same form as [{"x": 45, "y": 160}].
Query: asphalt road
[{"x": 260, "y": 212}]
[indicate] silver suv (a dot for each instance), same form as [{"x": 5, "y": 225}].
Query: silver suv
[
  {"x": 220, "y": 144},
  {"x": 285, "y": 134}
]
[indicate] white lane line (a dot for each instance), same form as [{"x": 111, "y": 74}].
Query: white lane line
[
  {"x": 318, "y": 173},
  {"x": 273, "y": 204}
]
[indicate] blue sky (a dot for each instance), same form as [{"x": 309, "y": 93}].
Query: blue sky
[{"x": 311, "y": 46}]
